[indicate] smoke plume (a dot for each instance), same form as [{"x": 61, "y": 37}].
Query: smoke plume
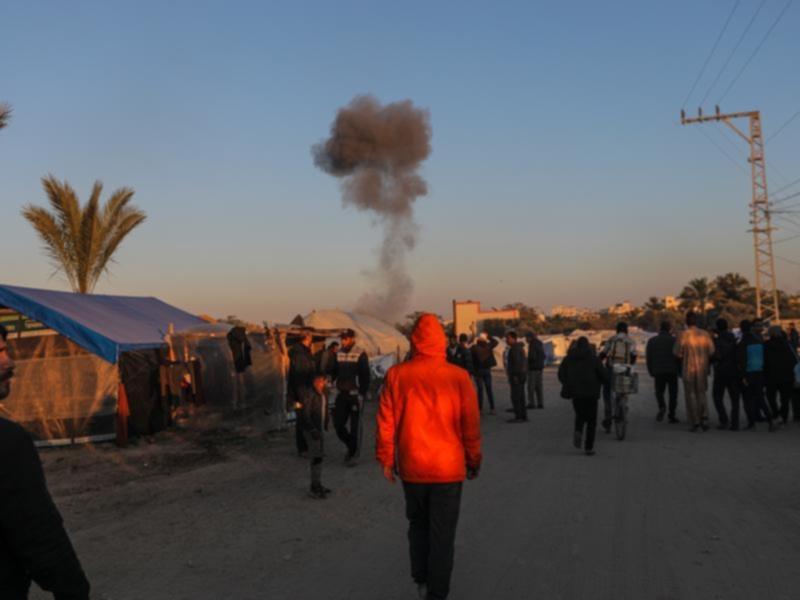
[{"x": 376, "y": 150}]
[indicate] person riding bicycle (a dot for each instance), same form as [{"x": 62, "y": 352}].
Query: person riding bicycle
[{"x": 619, "y": 350}]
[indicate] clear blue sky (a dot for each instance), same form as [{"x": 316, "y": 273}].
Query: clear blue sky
[{"x": 558, "y": 172}]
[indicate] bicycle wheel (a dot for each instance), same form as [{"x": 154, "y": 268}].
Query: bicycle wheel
[{"x": 621, "y": 419}]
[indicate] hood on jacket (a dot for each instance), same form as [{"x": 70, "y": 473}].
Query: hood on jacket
[
  {"x": 428, "y": 337},
  {"x": 580, "y": 353}
]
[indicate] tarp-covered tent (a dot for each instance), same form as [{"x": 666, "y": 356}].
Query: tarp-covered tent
[
  {"x": 73, "y": 351},
  {"x": 375, "y": 336}
]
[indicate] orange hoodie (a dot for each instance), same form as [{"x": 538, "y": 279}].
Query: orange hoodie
[{"x": 428, "y": 422}]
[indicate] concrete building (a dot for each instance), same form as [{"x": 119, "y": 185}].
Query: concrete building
[
  {"x": 468, "y": 316},
  {"x": 569, "y": 312},
  {"x": 621, "y": 308}
]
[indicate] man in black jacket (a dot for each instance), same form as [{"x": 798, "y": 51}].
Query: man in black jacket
[
  {"x": 726, "y": 376},
  {"x": 463, "y": 355},
  {"x": 482, "y": 361},
  {"x": 517, "y": 371},
  {"x": 662, "y": 365},
  {"x": 352, "y": 376},
  {"x": 33, "y": 543},
  {"x": 302, "y": 368},
  {"x": 313, "y": 420},
  {"x": 535, "y": 370}
]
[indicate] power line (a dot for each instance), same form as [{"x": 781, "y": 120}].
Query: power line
[
  {"x": 782, "y": 127},
  {"x": 711, "y": 54},
  {"x": 786, "y": 239},
  {"x": 785, "y": 198},
  {"x": 735, "y": 162},
  {"x": 735, "y": 48},
  {"x": 786, "y": 187},
  {"x": 761, "y": 43},
  {"x": 788, "y": 260}
]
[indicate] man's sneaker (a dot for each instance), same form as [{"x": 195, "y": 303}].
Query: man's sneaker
[
  {"x": 530, "y": 406},
  {"x": 351, "y": 461},
  {"x": 589, "y": 452},
  {"x": 660, "y": 415},
  {"x": 492, "y": 411},
  {"x": 422, "y": 591},
  {"x": 705, "y": 427},
  {"x": 510, "y": 410},
  {"x": 607, "y": 425},
  {"x": 577, "y": 439},
  {"x": 694, "y": 428},
  {"x": 317, "y": 493},
  {"x": 673, "y": 419}
]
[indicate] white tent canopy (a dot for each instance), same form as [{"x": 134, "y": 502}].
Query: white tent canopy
[{"x": 375, "y": 336}]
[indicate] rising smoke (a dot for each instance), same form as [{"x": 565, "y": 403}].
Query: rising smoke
[{"x": 377, "y": 149}]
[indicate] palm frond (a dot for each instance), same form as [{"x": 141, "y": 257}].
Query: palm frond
[
  {"x": 82, "y": 241},
  {"x": 5, "y": 115}
]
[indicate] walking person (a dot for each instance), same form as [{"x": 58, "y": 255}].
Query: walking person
[
  {"x": 779, "y": 362},
  {"x": 517, "y": 371},
  {"x": 582, "y": 374},
  {"x": 726, "y": 376},
  {"x": 536, "y": 359},
  {"x": 302, "y": 368},
  {"x": 463, "y": 354},
  {"x": 352, "y": 376},
  {"x": 313, "y": 421},
  {"x": 663, "y": 367},
  {"x": 483, "y": 361},
  {"x": 794, "y": 336},
  {"x": 750, "y": 357},
  {"x": 34, "y": 546},
  {"x": 428, "y": 432},
  {"x": 695, "y": 349},
  {"x": 620, "y": 349}
]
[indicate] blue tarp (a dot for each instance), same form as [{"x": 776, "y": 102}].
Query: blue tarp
[{"x": 104, "y": 325}]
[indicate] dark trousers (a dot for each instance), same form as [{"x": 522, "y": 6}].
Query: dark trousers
[
  {"x": 796, "y": 404},
  {"x": 754, "y": 401},
  {"x": 729, "y": 383},
  {"x": 785, "y": 390},
  {"x": 664, "y": 382},
  {"x": 483, "y": 380},
  {"x": 348, "y": 411},
  {"x": 432, "y": 510},
  {"x": 586, "y": 415},
  {"x": 518, "y": 399},
  {"x": 299, "y": 438},
  {"x": 607, "y": 396}
]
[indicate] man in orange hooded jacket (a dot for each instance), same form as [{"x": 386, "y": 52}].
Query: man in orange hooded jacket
[{"x": 429, "y": 433}]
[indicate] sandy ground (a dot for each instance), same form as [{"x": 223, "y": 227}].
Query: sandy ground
[{"x": 662, "y": 515}]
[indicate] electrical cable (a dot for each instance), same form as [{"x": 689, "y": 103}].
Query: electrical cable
[
  {"x": 752, "y": 56},
  {"x": 735, "y": 48},
  {"x": 711, "y": 54},
  {"x": 782, "y": 127},
  {"x": 721, "y": 149}
]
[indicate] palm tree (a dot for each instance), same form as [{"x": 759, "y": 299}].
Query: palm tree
[
  {"x": 81, "y": 240},
  {"x": 696, "y": 295},
  {"x": 654, "y": 304},
  {"x": 5, "y": 115}
]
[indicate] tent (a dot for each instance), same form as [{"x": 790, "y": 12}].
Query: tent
[
  {"x": 89, "y": 366},
  {"x": 376, "y": 337}
]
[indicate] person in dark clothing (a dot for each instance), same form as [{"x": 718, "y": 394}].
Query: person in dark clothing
[
  {"x": 779, "y": 363},
  {"x": 313, "y": 421},
  {"x": 750, "y": 361},
  {"x": 536, "y": 360},
  {"x": 517, "y": 371},
  {"x": 352, "y": 377},
  {"x": 326, "y": 359},
  {"x": 463, "y": 355},
  {"x": 726, "y": 376},
  {"x": 34, "y": 546},
  {"x": 452, "y": 349},
  {"x": 483, "y": 361},
  {"x": 582, "y": 375},
  {"x": 302, "y": 368},
  {"x": 794, "y": 336},
  {"x": 663, "y": 367}
]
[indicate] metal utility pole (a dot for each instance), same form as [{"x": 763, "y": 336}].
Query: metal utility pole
[{"x": 767, "y": 304}]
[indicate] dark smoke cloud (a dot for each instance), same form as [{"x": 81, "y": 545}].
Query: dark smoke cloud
[{"x": 377, "y": 150}]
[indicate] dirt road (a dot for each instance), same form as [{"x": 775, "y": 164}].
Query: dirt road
[{"x": 663, "y": 515}]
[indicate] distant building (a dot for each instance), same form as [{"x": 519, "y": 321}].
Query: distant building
[
  {"x": 621, "y": 308},
  {"x": 570, "y": 312},
  {"x": 468, "y": 315},
  {"x": 672, "y": 303}
]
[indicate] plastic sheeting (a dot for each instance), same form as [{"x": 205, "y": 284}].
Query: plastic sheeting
[
  {"x": 105, "y": 325},
  {"x": 260, "y": 387},
  {"x": 61, "y": 393},
  {"x": 375, "y": 336}
]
